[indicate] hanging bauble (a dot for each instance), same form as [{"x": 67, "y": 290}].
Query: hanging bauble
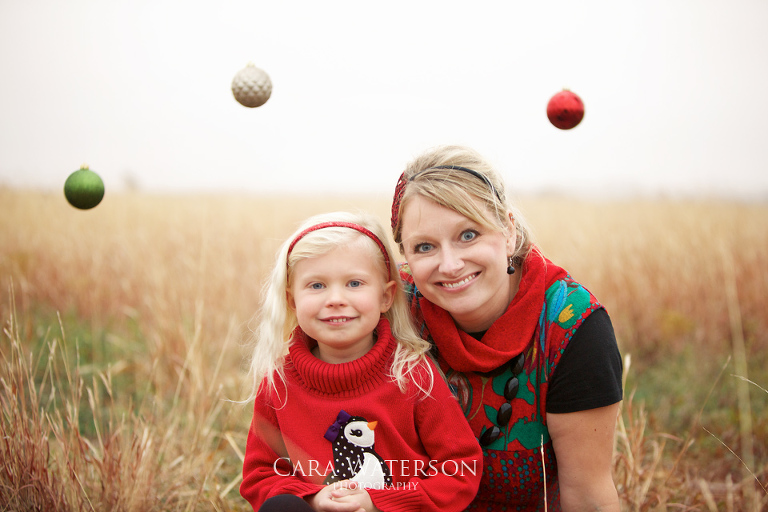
[
  {"x": 84, "y": 188},
  {"x": 251, "y": 86},
  {"x": 565, "y": 110}
]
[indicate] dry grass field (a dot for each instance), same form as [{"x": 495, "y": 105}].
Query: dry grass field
[{"x": 125, "y": 331}]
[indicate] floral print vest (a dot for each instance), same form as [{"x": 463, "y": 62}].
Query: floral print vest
[{"x": 506, "y": 407}]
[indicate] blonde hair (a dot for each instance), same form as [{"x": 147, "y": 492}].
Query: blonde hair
[
  {"x": 482, "y": 200},
  {"x": 277, "y": 321}
]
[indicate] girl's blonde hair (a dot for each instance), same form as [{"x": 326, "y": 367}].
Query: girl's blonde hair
[
  {"x": 277, "y": 321},
  {"x": 480, "y": 197}
]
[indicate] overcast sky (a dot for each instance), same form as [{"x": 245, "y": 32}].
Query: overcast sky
[{"x": 674, "y": 90}]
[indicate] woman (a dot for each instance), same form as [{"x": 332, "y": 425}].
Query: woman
[{"x": 530, "y": 353}]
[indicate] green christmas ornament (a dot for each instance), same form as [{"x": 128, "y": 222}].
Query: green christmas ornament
[{"x": 84, "y": 188}]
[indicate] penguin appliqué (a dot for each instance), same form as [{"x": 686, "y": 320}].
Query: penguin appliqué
[{"x": 354, "y": 458}]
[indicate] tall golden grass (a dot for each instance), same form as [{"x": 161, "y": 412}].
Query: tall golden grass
[{"x": 125, "y": 327}]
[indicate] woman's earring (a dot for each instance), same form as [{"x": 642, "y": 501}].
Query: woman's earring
[{"x": 511, "y": 266}]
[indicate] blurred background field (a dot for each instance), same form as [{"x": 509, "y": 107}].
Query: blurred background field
[{"x": 125, "y": 330}]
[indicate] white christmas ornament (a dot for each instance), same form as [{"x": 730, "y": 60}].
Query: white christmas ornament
[{"x": 251, "y": 86}]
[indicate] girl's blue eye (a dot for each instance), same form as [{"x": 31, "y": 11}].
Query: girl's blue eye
[
  {"x": 466, "y": 236},
  {"x": 355, "y": 284},
  {"x": 316, "y": 286}
]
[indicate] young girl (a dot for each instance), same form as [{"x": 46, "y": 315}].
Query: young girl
[{"x": 350, "y": 413}]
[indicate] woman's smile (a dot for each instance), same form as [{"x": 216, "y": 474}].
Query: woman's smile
[{"x": 457, "y": 284}]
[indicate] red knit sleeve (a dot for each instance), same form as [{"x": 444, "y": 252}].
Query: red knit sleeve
[
  {"x": 452, "y": 478},
  {"x": 267, "y": 470}
]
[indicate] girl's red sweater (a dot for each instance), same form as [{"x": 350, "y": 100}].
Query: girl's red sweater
[{"x": 434, "y": 459}]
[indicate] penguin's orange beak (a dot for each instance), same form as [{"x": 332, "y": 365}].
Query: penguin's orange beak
[{"x": 372, "y": 424}]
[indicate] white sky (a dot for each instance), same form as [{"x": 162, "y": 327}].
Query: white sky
[{"x": 675, "y": 93}]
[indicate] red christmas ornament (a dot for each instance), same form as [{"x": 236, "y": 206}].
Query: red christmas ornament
[{"x": 565, "y": 110}]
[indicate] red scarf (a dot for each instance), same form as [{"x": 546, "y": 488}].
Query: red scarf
[{"x": 508, "y": 336}]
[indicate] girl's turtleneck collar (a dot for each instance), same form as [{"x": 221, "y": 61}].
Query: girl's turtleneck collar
[{"x": 351, "y": 378}]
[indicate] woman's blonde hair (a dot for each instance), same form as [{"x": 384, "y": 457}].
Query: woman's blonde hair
[
  {"x": 460, "y": 179},
  {"x": 277, "y": 321}
]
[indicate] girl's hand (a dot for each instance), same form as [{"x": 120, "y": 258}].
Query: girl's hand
[
  {"x": 351, "y": 492},
  {"x": 326, "y": 500}
]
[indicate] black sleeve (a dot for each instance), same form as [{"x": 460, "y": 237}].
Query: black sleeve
[{"x": 588, "y": 375}]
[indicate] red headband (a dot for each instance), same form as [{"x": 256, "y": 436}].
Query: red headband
[
  {"x": 398, "y": 197},
  {"x": 351, "y": 225},
  {"x": 402, "y": 182}
]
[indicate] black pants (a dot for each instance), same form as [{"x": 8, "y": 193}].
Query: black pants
[{"x": 285, "y": 503}]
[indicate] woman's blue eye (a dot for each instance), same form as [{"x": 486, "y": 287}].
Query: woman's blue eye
[
  {"x": 422, "y": 248},
  {"x": 466, "y": 236}
]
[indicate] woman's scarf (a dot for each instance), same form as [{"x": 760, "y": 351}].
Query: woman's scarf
[{"x": 508, "y": 336}]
